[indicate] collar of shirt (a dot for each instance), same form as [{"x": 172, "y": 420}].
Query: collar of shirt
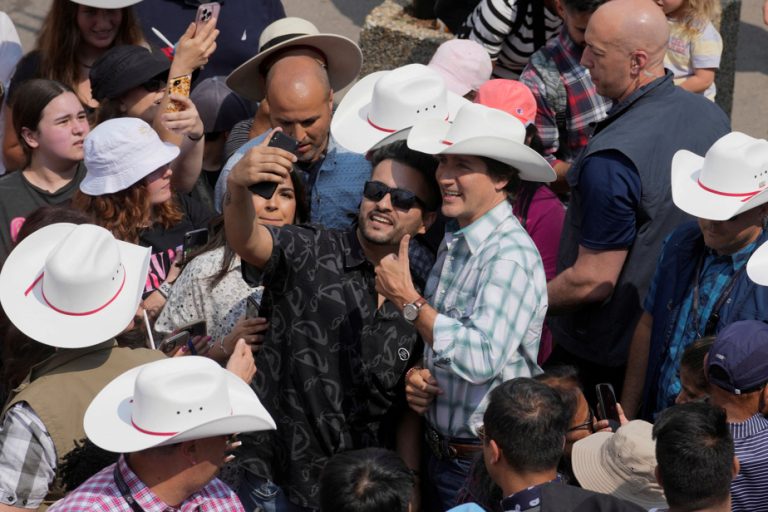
[
  {"x": 749, "y": 428},
  {"x": 144, "y": 497},
  {"x": 527, "y": 498},
  {"x": 570, "y": 48},
  {"x": 477, "y": 233},
  {"x": 737, "y": 259},
  {"x": 354, "y": 256},
  {"x": 621, "y": 106}
]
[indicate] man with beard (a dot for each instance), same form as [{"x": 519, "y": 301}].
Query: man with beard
[{"x": 333, "y": 360}]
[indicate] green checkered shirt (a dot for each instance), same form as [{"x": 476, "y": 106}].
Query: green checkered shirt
[{"x": 489, "y": 289}]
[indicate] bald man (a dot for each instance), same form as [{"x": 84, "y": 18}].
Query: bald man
[
  {"x": 299, "y": 100},
  {"x": 621, "y": 208}
]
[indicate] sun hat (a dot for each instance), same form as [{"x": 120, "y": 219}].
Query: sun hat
[
  {"x": 732, "y": 178},
  {"x": 740, "y": 354},
  {"x": 172, "y": 400},
  {"x": 343, "y": 58},
  {"x": 107, "y": 4},
  {"x": 511, "y": 96},
  {"x": 621, "y": 464},
  {"x": 120, "y": 152},
  {"x": 381, "y": 107},
  {"x": 463, "y": 63},
  {"x": 482, "y": 131},
  {"x": 220, "y": 108},
  {"x": 125, "y": 67},
  {"x": 73, "y": 286}
]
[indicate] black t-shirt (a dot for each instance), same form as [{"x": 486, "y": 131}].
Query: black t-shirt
[
  {"x": 166, "y": 242},
  {"x": 331, "y": 370},
  {"x": 19, "y": 198}
]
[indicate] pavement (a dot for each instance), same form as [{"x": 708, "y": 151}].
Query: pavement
[{"x": 346, "y": 17}]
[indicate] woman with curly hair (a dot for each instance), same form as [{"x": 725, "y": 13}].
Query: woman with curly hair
[
  {"x": 127, "y": 189},
  {"x": 72, "y": 37}
]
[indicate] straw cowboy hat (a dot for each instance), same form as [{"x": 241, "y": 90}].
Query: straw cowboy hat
[
  {"x": 382, "y": 107},
  {"x": 73, "y": 286},
  {"x": 482, "y": 131},
  {"x": 172, "y": 400},
  {"x": 343, "y": 58},
  {"x": 732, "y": 178}
]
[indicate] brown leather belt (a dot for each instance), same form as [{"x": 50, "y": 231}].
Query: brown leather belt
[
  {"x": 465, "y": 451},
  {"x": 443, "y": 449}
]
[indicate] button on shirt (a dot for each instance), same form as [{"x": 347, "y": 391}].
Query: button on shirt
[
  {"x": 489, "y": 289},
  {"x": 100, "y": 492},
  {"x": 336, "y": 191},
  {"x": 716, "y": 272}
]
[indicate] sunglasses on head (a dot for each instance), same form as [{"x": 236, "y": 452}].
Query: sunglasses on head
[
  {"x": 402, "y": 199},
  {"x": 154, "y": 85}
]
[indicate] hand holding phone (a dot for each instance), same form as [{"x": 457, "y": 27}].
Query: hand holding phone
[
  {"x": 174, "y": 342},
  {"x": 266, "y": 189}
]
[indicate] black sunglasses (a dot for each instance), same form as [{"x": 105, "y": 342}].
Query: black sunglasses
[
  {"x": 587, "y": 425},
  {"x": 402, "y": 199},
  {"x": 153, "y": 85}
]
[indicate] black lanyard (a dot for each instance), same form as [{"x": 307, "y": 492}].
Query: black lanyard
[
  {"x": 125, "y": 491},
  {"x": 714, "y": 316}
]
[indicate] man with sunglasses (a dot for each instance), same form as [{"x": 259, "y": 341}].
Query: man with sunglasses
[
  {"x": 336, "y": 351},
  {"x": 701, "y": 284}
]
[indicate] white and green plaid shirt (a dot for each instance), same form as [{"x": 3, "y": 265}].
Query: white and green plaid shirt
[{"x": 489, "y": 289}]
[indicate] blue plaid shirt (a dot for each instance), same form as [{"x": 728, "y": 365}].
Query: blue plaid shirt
[
  {"x": 489, "y": 289},
  {"x": 715, "y": 273},
  {"x": 336, "y": 191}
]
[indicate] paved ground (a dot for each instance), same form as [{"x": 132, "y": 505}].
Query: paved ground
[{"x": 750, "y": 109}]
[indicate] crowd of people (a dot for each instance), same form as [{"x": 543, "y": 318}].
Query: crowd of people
[{"x": 528, "y": 275}]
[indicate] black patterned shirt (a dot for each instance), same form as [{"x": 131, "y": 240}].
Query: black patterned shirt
[{"x": 332, "y": 366}]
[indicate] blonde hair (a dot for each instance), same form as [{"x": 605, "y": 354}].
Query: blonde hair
[{"x": 698, "y": 13}]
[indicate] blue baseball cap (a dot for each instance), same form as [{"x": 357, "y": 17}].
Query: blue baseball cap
[{"x": 738, "y": 360}]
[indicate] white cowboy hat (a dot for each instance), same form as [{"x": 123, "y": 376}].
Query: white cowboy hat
[
  {"x": 343, "y": 58},
  {"x": 120, "y": 152},
  {"x": 107, "y": 4},
  {"x": 732, "y": 178},
  {"x": 482, "y": 131},
  {"x": 73, "y": 286},
  {"x": 382, "y": 107},
  {"x": 172, "y": 400},
  {"x": 757, "y": 266}
]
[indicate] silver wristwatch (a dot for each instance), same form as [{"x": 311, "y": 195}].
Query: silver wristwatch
[{"x": 411, "y": 310}]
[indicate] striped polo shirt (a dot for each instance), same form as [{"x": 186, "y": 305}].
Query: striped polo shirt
[{"x": 749, "y": 490}]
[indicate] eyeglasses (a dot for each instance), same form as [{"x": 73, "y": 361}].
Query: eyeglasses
[
  {"x": 154, "y": 85},
  {"x": 587, "y": 425},
  {"x": 402, "y": 199}
]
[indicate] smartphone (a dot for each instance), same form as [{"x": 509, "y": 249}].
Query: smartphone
[
  {"x": 266, "y": 189},
  {"x": 205, "y": 12},
  {"x": 193, "y": 240},
  {"x": 251, "y": 308},
  {"x": 174, "y": 341},
  {"x": 195, "y": 328},
  {"x": 180, "y": 85},
  {"x": 606, "y": 402}
]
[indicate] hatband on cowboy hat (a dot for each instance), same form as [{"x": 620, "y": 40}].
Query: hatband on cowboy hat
[
  {"x": 381, "y": 107},
  {"x": 343, "y": 58},
  {"x": 73, "y": 286},
  {"x": 621, "y": 464},
  {"x": 732, "y": 178},
  {"x": 482, "y": 131},
  {"x": 170, "y": 401}
]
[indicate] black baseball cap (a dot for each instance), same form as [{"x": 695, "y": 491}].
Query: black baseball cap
[{"x": 125, "y": 67}]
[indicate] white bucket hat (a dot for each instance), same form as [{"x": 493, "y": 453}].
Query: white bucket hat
[
  {"x": 621, "y": 464},
  {"x": 120, "y": 152},
  {"x": 732, "y": 178},
  {"x": 482, "y": 131},
  {"x": 383, "y": 106},
  {"x": 107, "y": 4},
  {"x": 343, "y": 57},
  {"x": 172, "y": 400},
  {"x": 73, "y": 286}
]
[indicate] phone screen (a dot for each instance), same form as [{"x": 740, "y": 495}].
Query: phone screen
[
  {"x": 193, "y": 240},
  {"x": 606, "y": 402}
]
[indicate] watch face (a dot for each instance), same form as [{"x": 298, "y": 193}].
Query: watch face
[{"x": 410, "y": 312}]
